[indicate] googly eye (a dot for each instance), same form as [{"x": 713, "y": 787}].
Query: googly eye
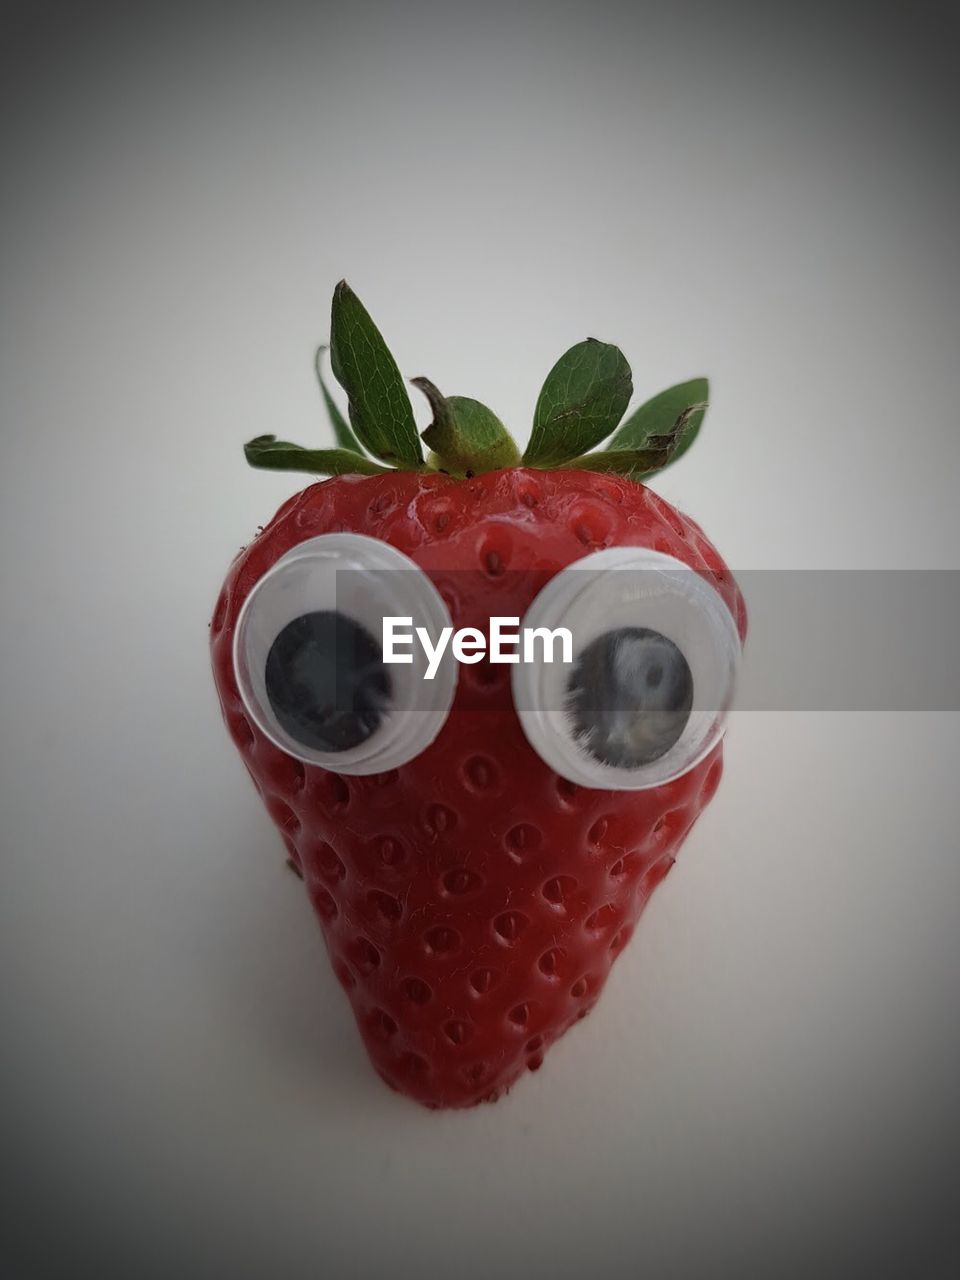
[
  {"x": 655, "y": 655},
  {"x": 308, "y": 656}
]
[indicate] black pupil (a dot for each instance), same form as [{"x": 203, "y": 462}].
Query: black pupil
[
  {"x": 326, "y": 681},
  {"x": 629, "y": 696}
]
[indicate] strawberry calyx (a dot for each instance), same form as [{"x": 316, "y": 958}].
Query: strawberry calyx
[{"x": 582, "y": 403}]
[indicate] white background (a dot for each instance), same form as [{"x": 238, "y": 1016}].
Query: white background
[{"x": 768, "y": 1085}]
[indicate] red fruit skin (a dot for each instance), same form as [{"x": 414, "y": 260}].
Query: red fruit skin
[{"x": 472, "y": 901}]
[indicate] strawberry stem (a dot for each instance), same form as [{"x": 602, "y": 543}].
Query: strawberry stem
[{"x": 465, "y": 436}]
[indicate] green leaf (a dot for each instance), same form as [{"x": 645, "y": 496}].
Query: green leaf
[
  {"x": 465, "y": 435},
  {"x": 341, "y": 428},
  {"x": 271, "y": 454},
  {"x": 658, "y": 416},
  {"x": 380, "y": 409},
  {"x": 658, "y": 451},
  {"x": 584, "y": 397}
]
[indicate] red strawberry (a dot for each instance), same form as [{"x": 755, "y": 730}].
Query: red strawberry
[{"x": 472, "y": 898}]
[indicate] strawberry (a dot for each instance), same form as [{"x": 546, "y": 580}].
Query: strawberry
[{"x": 475, "y": 877}]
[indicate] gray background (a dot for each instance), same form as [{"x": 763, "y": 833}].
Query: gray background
[{"x": 764, "y": 194}]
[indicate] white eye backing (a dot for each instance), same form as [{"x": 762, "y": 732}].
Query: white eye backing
[
  {"x": 628, "y": 590},
  {"x": 379, "y": 582}
]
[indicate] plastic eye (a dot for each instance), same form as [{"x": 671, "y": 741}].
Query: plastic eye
[
  {"x": 655, "y": 659},
  {"x": 309, "y": 663}
]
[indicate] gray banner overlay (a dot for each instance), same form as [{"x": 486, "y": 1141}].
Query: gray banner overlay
[
  {"x": 817, "y": 640},
  {"x": 850, "y": 640}
]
